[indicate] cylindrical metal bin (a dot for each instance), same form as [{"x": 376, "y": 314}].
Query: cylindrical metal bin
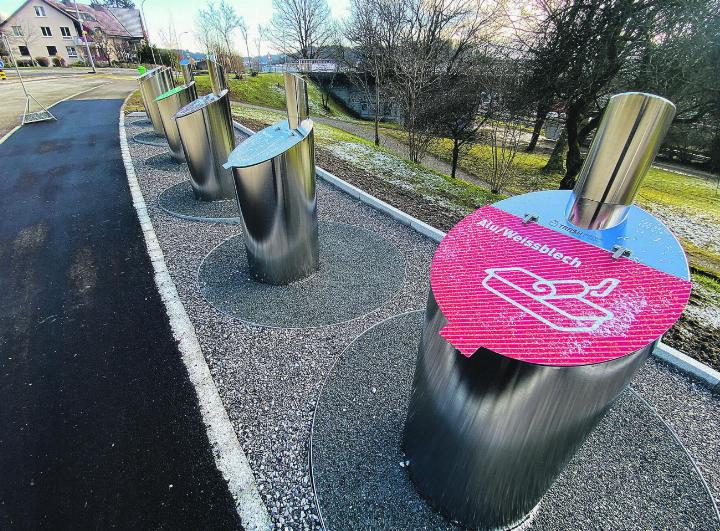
[
  {"x": 274, "y": 174},
  {"x": 153, "y": 83},
  {"x": 207, "y": 135},
  {"x": 533, "y": 328},
  {"x": 169, "y": 104}
]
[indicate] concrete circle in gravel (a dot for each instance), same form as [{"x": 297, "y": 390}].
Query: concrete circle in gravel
[
  {"x": 140, "y": 123},
  {"x": 179, "y": 201},
  {"x": 630, "y": 474},
  {"x": 359, "y": 271},
  {"x": 149, "y": 138},
  {"x": 164, "y": 162}
]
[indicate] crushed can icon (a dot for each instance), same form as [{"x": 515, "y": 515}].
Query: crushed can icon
[{"x": 563, "y": 305}]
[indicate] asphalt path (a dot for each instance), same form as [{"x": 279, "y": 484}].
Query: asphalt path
[
  {"x": 48, "y": 87},
  {"x": 99, "y": 424}
]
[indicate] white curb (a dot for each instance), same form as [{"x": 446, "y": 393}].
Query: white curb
[
  {"x": 229, "y": 456},
  {"x": 665, "y": 352}
]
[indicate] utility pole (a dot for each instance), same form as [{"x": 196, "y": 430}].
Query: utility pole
[
  {"x": 142, "y": 12},
  {"x": 83, "y": 36}
]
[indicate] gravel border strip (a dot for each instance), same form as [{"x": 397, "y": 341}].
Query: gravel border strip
[
  {"x": 665, "y": 352},
  {"x": 229, "y": 456}
]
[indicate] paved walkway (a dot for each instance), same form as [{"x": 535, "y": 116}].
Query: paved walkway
[{"x": 99, "y": 424}]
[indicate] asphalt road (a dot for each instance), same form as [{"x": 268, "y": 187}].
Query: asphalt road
[
  {"x": 99, "y": 424},
  {"x": 49, "y": 86}
]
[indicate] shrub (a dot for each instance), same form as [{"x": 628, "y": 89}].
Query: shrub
[
  {"x": 42, "y": 61},
  {"x": 80, "y": 63},
  {"x": 58, "y": 61},
  {"x": 24, "y": 62}
]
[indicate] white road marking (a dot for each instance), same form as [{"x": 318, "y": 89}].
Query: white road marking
[{"x": 229, "y": 456}]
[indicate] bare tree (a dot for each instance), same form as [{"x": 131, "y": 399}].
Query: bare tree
[
  {"x": 28, "y": 35},
  {"x": 221, "y": 20},
  {"x": 305, "y": 26},
  {"x": 244, "y": 32},
  {"x": 258, "y": 42},
  {"x": 436, "y": 37},
  {"x": 372, "y": 30}
]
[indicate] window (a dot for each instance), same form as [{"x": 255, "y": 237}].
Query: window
[
  {"x": 39, "y": 11},
  {"x": 71, "y": 51},
  {"x": 17, "y": 31},
  {"x": 52, "y": 50},
  {"x": 65, "y": 32},
  {"x": 46, "y": 31},
  {"x": 24, "y": 50}
]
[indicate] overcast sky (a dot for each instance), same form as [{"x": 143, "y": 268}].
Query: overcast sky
[{"x": 160, "y": 14}]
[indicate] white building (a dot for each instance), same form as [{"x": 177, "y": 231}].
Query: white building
[{"x": 52, "y": 29}]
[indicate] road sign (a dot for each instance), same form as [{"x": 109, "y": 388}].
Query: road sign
[
  {"x": 535, "y": 294},
  {"x": 2, "y": 65}
]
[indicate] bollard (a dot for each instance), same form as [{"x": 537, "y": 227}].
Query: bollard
[
  {"x": 274, "y": 175},
  {"x": 168, "y": 105},
  {"x": 153, "y": 83},
  {"x": 542, "y": 308},
  {"x": 207, "y": 134}
]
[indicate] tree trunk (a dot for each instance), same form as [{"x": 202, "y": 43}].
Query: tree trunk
[
  {"x": 455, "y": 157},
  {"x": 574, "y": 159},
  {"x": 542, "y": 112},
  {"x": 555, "y": 163}
]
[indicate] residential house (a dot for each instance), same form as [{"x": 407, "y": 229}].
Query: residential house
[{"x": 53, "y": 29}]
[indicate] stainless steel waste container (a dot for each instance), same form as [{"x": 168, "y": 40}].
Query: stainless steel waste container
[
  {"x": 541, "y": 309},
  {"x": 153, "y": 83},
  {"x": 169, "y": 104},
  {"x": 207, "y": 135},
  {"x": 274, "y": 174}
]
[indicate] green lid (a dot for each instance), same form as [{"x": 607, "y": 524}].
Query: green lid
[{"x": 171, "y": 92}]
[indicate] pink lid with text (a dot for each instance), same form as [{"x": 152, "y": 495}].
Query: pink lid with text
[{"x": 534, "y": 294}]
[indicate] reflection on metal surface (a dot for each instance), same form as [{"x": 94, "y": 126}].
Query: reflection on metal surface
[
  {"x": 152, "y": 84},
  {"x": 186, "y": 70},
  {"x": 627, "y": 140},
  {"x": 217, "y": 76},
  {"x": 169, "y": 104},
  {"x": 207, "y": 134},
  {"x": 487, "y": 435},
  {"x": 297, "y": 99},
  {"x": 274, "y": 173}
]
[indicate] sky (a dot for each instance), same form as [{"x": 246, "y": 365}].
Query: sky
[{"x": 160, "y": 14}]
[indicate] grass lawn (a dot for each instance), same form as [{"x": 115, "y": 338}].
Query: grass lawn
[
  {"x": 669, "y": 195},
  {"x": 266, "y": 90},
  {"x": 134, "y": 103},
  {"x": 451, "y": 194}
]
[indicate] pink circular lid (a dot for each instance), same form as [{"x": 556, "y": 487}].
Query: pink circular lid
[{"x": 538, "y": 295}]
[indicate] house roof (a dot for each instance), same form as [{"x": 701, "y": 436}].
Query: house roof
[
  {"x": 130, "y": 19},
  {"x": 104, "y": 18}
]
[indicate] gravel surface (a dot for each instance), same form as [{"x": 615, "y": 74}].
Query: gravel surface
[
  {"x": 630, "y": 473},
  {"x": 269, "y": 379},
  {"x": 359, "y": 271}
]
